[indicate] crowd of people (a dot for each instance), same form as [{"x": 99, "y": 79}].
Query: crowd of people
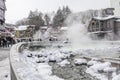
[{"x": 6, "y": 41}]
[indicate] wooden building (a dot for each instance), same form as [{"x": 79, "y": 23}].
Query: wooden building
[
  {"x": 105, "y": 28},
  {"x": 24, "y": 32},
  {"x": 102, "y": 27},
  {"x": 117, "y": 28}
]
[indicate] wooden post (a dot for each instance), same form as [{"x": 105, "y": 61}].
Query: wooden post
[
  {"x": 99, "y": 26},
  {"x": 109, "y": 75},
  {"x": 118, "y": 68}
]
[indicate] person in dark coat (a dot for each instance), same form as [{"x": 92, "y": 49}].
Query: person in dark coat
[
  {"x": 0, "y": 42},
  {"x": 3, "y": 42}
]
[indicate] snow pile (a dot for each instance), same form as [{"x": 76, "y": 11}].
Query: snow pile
[
  {"x": 38, "y": 62},
  {"x": 64, "y": 63},
  {"x": 80, "y": 61},
  {"x": 57, "y": 55},
  {"x": 116, "y": 77},
  {"x": 44, "y": 69},
  {"x": 28, "y": 74},
  {"x": 38, "y": 67},
  {"x": 94, "y": 61},
  {"x": 109, "y": 69},
  {"x": 97, "y": 68},
  {"x": 41, "y": 71},
  {"x": 90, "y": 63},
  {"x": 48, "y": 55}
]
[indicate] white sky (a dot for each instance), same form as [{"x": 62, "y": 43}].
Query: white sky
[{"x": 18, "y": 9}]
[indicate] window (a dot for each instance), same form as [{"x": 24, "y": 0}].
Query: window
[
  {"x": 97, "y": 26},
  {"x": 102, "y": 26}
]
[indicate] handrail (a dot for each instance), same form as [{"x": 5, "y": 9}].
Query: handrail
[{"x": 15, "y": 61}]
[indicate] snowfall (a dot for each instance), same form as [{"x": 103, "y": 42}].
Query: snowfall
[{"x": 39, "y": 68}]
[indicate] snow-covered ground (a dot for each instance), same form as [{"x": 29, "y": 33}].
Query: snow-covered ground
[
  {"x": 97, "y": 69},
  {"x": 39, "y": 62},
  {"x": 4, "y": 64},
  {"x": 4, "y": 70},
  {"x": 4, "y": 53}
]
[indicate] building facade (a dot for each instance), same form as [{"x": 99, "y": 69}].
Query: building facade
[
  {"x": 2, "y": 18},
  {"x": 106, "y": 26},
  {"x": 2, "y": 11},
  {"x": 24, "y": 32},
  {"x": 102, "y": 28}
]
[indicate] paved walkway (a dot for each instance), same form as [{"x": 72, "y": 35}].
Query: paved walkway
[
  {"x": 4, "y": 53},
  {"x": 4, "y": 64}
]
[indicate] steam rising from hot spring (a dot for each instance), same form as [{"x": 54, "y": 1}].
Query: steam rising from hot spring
[
  {"x": 80, "y": 39},
  {"x": 77, "y": 35}
]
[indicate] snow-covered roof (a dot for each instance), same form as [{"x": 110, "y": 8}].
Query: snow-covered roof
[
  {"x": 104, "y": 18},
  {"x": 10, "y": 27},
  {"x": 64, "y": 28},
  {"x": 44, "y": 27},
  {"x": 20, "y": 28},
  {"x": 118, "y": 20}
]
